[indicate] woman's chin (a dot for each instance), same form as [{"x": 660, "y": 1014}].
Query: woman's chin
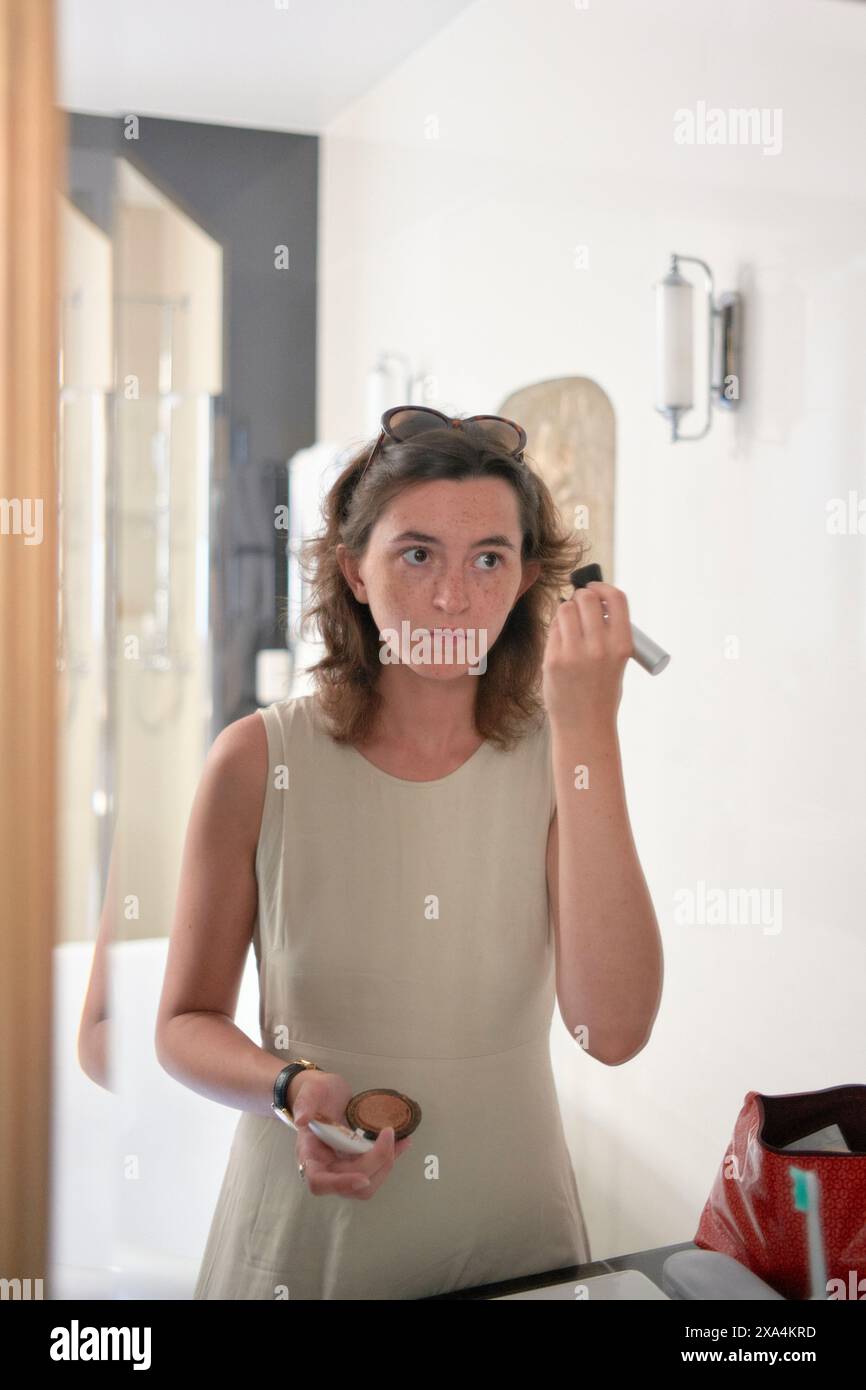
[{"x": 439, "y": 670}]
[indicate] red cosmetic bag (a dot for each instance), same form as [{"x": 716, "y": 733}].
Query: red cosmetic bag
[{"x": 750, "y": 1213}]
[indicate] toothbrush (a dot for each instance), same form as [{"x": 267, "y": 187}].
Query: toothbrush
[
  {"x": 338, "y": 1137},
  {"x": 807, "y": 1198}
]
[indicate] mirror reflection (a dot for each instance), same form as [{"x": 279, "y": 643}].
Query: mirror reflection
[{"x": 422, "y": 931}]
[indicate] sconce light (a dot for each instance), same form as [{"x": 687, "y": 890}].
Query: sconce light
[
  {"x": 674, "y": 349},
  {"x": 387, "y": 384},
  {"x": 393, "y": 382}
]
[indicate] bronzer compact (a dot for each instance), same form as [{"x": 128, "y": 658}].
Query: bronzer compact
[{"x": 368, "y": 1113}]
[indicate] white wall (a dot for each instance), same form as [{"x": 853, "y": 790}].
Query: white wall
[{"x": 555, "y": 129}]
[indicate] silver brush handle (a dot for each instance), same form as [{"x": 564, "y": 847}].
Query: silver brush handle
[{"x": 648, "y": 653}]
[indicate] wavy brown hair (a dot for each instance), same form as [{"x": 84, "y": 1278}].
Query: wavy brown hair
[{"x": 508, "y": 699}]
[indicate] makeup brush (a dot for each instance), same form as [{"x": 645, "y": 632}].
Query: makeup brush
[{"x": 647, "y": 653}]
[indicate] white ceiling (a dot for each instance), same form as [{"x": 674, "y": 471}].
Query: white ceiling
[{"x": 272, "y": 64}]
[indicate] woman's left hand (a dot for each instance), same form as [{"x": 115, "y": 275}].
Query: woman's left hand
[{"x": 585, "y": 657}]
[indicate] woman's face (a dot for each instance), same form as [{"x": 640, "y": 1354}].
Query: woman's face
[{"x": 444, "y": 554}]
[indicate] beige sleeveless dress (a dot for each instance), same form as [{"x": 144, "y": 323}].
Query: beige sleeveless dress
[{"x": 402, "y": 939}]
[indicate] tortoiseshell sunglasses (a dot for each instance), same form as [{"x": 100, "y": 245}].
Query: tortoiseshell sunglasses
[{"x": 401, "y": 422}]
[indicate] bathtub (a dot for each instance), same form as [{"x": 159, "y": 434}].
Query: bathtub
[{"x": 135, "y": 1174}]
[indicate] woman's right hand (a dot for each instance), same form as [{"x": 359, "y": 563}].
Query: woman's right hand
[{"x": 324, "y": 1095}]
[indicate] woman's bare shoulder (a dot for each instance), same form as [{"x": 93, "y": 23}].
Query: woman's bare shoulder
[
  {"x": 243, "y": 736},
  {"x": 236, "y": 771}
]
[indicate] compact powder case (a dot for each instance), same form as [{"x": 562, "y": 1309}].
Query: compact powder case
[{"x": 373, "y": 1111}]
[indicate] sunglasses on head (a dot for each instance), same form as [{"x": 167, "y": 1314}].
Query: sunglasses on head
[{"x": 403, "y": 422}]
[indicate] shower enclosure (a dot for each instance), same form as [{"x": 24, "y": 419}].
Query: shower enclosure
[{"x": 141, "y": 467}]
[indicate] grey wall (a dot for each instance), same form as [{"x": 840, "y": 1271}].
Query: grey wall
[{"x": 251, "y": 190}]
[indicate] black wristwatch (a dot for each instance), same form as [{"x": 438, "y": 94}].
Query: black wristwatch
[{"x": 280, "y": 1105}]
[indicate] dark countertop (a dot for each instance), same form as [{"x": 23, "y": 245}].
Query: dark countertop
[{"x": 649, "y": 1262}]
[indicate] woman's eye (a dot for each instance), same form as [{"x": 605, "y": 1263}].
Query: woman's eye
[
  {"x": 416, "y": 550},
  {"x": 421, "y": 550}
]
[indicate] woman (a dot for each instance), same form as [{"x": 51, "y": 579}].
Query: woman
[{"x": 388, "y": 844}]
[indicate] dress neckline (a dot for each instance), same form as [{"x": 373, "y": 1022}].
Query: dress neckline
[
  {"x": 481, "y": 752},
  {"x": 413, "y": 781}
]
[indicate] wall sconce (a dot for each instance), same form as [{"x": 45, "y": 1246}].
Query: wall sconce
[
  {"x": 387, "y": 384},
  {"x": 674, "y": 349},
  {"x": 393, "y": 382}
]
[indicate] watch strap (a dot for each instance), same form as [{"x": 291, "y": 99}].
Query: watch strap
[{"x": 280, "y": 1104}]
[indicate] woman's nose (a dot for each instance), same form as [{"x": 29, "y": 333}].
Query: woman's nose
[{"x": 451, "y": 591}]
